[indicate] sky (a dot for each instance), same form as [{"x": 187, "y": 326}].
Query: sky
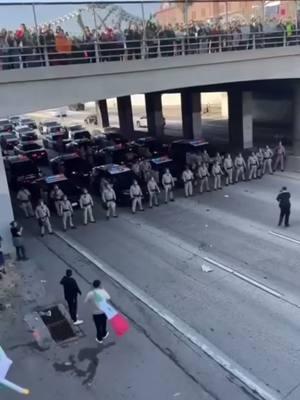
[{"x": 11, "y": 16}]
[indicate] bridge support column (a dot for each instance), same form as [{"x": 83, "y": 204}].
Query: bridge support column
[
  {"x": 296, "y": 121},
  {"x": 102, "y": 113},
  {"x": 240, "y": 123},
  {"x": 155, "y": 119},
  {"x": 125, "y": 116},
  {"x": 6, "y": 212},
  {"x": 191, "y": 114}
]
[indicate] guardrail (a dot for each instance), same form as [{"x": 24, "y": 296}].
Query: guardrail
[{"x": 148, "y": 48}]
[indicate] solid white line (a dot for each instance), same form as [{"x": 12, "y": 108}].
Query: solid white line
[
  {"x": 244, "y": 277},
  {"x": 190, "y": 333},
  {"x": 290, "y": 239}
]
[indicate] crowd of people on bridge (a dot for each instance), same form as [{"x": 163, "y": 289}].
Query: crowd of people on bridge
[{"x": 51, "y": 45}]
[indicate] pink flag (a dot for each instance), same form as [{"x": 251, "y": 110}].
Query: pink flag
[{"x": 119, "y": 324}]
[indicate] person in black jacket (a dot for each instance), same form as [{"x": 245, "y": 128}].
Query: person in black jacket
[
  {"x": 285, "y": 206},
  {"x": 71, "y": 291}
]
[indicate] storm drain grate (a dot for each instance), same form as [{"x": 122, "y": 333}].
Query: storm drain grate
[{"x": 59, "y": 327}]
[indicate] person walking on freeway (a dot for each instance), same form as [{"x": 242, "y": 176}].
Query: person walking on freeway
[
  {"x": 94, "y": 297},
  {"x": 71, "y": 291},
  {"x": 284, "y": 201}
]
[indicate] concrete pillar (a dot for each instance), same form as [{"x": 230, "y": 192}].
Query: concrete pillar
[
  {"x": 155, "y": 119},
  {"x": 102, "y": 113},
  {"x": 240, "y": 123},
  {"x": 296, "y": 121},
  {"x": 191, "y": 114},
  {"x": 125, "y": 116},
  {"x": 6, "y": 212}
]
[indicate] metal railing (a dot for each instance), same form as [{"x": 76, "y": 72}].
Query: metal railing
[{"x": 116, "y": 51}]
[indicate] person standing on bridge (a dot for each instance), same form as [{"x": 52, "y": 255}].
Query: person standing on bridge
[{"x": 284, "y": 201}]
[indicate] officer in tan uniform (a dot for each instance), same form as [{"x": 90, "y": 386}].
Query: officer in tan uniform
[
  {"x": 260, "y": 161},
  {"x": 187, "y": 177},
  {"x": 252, "y": 166},
  {"x": 57, "y": 195},
  {"x": 168, "y": 184},
  {"x": 136, "y": 196},
  {"x": 280, "y": 156},
  {"x": 153, "y": 191},
  {"x": 203, "y": 176},
  {"x": 24, "y": 197},
  {"x": 217, "y": 174},
  {"x": 240, "y": 166},
  {"x": 86, "y": 204},
  {"x": 228, "y": 168},
  {"x": 66, "y": 210},
  {"x": 109, "y": 198},
  {"x": 42, "y": 214},
  {"x": 268, "y": 154}
]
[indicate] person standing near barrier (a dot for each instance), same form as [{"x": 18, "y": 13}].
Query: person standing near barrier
[
  {"x": 136, "y": 196},
  {"x": 280, "y": 157},
  {"x": 153, "y": 191},
  {"x": 240, "y": 166},
  {"x": 187, "y": 177},
  {"x": 24, "y": 197},
  {"x": 71, "y": 291},
  {"x": 268, "y": 154},
  {"x": 66, "y": 210},
  {"x": 42, "y": 214},
  {"x": 252, "y": 166},
  {"x": 217, "y": 174},
  {"x": 284, "y": 202},
  {"x": 86, "y": 204},
  {"x": 109, "y": 199},
  {"x": 228, "y": 168}
]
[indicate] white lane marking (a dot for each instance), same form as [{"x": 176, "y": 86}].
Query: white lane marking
[
  {"x": 183, "y": 328},
  {"x": 290, "y": 239},
  {"x": 244, "y": 277}
]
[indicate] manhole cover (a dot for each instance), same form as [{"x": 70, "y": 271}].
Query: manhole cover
[{"x": 59, "y": 327}]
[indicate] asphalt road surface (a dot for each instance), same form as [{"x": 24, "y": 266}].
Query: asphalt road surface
[{"x": 247, "y": 305}]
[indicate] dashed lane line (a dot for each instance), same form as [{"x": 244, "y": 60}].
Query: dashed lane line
[
  {"x": 183, "y": 328},
  {"x": 285, "y": 237}
]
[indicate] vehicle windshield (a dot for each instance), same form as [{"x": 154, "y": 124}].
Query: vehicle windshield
[
  {"x": 55, "y": 129},
  {"x": 52, "y": 123},
  {"x": 26, "y": 121},
  {"x": 67, "y": 187},
  {"x": 74, "y": 128},
  {"x": 25, "y": 130},
  {"x": 9, "y": 137},
  {"x": 28, "y": 138},
  {"x": 81, "y": 135},
  {"x": 24, "y": 168},
  {"x": 30, "y": 147},
  {"x": 4, "y": 122}
]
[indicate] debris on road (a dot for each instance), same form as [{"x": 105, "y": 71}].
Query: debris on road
[{"x": 206, "y": 268}]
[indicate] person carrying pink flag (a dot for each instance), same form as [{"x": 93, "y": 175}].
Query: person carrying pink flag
[
  {"x": 5, "y": 364},
  {"x": 103, "y": 311}
]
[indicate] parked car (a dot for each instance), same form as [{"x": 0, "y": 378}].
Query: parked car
[
  {"x": 44, "y": 126},
  {"x": 61, "y": 113},
  {"x": 21, "y": 171},
  {"x": 23, "y": 121},
  {"x": 20, "y": 130},
  {"x": 180, "y": 148},
  {"x": 80, "y": 136},
  {"x": 121, "y": 178},
  {"x": 73, "y": 167},
  {"x": 8, "y": 142},
  {"x": 73, "y": 128},
  {"x": 117, "y": 154},
  {"x": 32, "y": 150},
  {"x": 14, "y": 119},
  {"x": 142, "y": 122},
  {"x": 28, "y": 137},
  {"x": 77, "y": 107},
  {"x": 160, "y": 164},
  {"x": 56, "y": 141},
  {"x": 91, "y": 119},
  {"x": 5, "y": 125},
  {"x": 42, "y": 188},
  {"x": 149, "y": 147}
]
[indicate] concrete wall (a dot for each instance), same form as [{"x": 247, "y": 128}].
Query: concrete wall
[{"x": 32, "y": 89}]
